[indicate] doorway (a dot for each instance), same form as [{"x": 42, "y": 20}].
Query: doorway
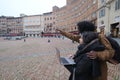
[{"x": 115, "y": 30}]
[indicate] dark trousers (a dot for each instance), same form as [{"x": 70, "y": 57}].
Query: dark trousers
[{"x": 70, "y": 69}]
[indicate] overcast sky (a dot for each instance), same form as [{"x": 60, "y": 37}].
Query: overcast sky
[{"x": 28, "y": 7}]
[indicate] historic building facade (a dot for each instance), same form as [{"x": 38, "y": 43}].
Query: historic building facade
[
  {"x": 15, "y": 26},
  {"x": 105, "y": 14},
  {"x": 48, "y": 23},
  {"x": 3, "y": 25},
  {"x": 75, "y": 11},
  {"x": 11, "y": 26},
  {"x": 32, "y": 25},
  {"x": 109, "y": 17},
  {"x": 115, "y": 18}
]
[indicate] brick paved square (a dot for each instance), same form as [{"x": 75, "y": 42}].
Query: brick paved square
[{"x": 35, "y": 59}]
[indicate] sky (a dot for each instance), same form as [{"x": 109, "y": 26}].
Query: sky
[{"x": 28, "y": 7}]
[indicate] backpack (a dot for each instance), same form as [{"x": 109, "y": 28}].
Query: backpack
[{"x": 116, "y": 58}]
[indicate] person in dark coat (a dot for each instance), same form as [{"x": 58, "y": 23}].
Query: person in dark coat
[
  {"x": 24, "y": 40},
  {"x": 86, "y": 68}
]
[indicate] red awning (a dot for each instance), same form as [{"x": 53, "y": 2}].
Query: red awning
[
  {"x": 50, "y": 34},
  {"x": 13, "y": 34}
]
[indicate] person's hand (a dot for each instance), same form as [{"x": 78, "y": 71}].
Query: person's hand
[
  {"x": 70, "y": 56},
  {"x": 92, "y": 55}
]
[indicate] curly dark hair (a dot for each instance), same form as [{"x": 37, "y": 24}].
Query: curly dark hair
[{"x": 84, "y": 26}]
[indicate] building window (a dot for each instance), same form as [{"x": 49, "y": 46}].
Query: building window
[
  {"x": 94, "y": 15},
  {"x": 102, "y": 22},
  {"x": 117, "y": 5},
  {"x": 53, "y": 22},
  {"x": 94, "y": 1},
  {"x": 45, "y": 19},
  {"x": 102, "y": 13},
  {"x": 102, "y": 1},
  {"x": 50, "y": 18}
]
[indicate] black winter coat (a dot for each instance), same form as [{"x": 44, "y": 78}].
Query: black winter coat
[{"x": 86, "y": 68}]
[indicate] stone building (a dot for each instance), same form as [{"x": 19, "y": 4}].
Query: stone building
[
  {"x": 14, "y": 26},
  {"x": 49, "y": 22},
  {"x": 11, "y": 26},
  {"x": 75, "y": 11},
  {"x": 109, "y": 17},
  {"x": 32, "y": 25},
  {"x": 3, "y": 25}
]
